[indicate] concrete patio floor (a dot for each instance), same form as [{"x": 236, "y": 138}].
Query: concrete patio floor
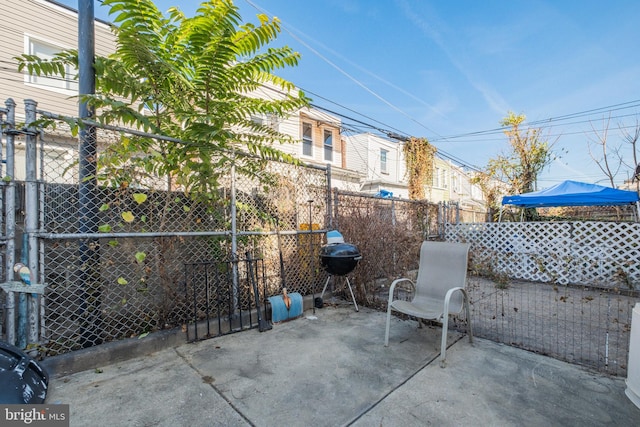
[{"x": 331, "y": 369}]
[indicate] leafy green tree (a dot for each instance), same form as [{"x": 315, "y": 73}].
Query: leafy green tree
[
  {"x": 529, "y": 154},
  {"x": 193, "y": 79}
]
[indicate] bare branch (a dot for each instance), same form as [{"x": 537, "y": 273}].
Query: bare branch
[{"x": 601, "y": 139}]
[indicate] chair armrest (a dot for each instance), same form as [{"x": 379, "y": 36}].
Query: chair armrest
[
  {"x": 447, "y": 297},
  {"x": 393, "y": 287}
]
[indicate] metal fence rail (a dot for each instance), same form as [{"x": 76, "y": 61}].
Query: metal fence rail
[{"x": 583, "y": 325}]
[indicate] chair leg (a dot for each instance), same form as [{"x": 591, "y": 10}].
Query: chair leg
[
  {"x": 386, "y": 332},
  {"x": 443, "y": 341}
]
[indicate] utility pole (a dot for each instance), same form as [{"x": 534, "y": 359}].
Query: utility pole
[{"x": 90, "y": 321}]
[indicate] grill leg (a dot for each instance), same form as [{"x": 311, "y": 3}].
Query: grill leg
[
  {"x": 325, "y": 286},
  {"x": 352, "y": 296}
]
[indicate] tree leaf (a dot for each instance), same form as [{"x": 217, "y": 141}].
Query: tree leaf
[
  {"x": 139, "y": 198},
  {"x": 140, "y": 257},
  {"x": 128, "y": 216},
  {"x": 122, "y": 281},
  {"x": 104, "y": 228}
]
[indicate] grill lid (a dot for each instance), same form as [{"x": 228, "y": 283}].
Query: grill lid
[{"x": 339, "y": 250}]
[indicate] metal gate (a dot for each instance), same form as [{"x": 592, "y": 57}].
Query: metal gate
[{"x": 224, "y": 297}]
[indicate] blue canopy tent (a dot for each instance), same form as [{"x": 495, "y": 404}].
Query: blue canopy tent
[{"x": 574, "y": 193}]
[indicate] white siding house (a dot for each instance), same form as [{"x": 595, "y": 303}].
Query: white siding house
[
  {"x": 379, "y": 161},
  {"x": 317, "y": 139},
  {"x": 43, "y": 28}
]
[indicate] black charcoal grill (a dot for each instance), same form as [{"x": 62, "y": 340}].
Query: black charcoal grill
[{"x": 339, "y": 259}]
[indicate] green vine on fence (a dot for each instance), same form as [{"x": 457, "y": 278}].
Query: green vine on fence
[{"x": 419, "y": 155}]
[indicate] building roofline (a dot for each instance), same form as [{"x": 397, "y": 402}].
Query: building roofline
[{"x": 71, "y": 9}]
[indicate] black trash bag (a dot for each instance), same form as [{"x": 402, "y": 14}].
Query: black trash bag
[{"x": 22, "y": 379}]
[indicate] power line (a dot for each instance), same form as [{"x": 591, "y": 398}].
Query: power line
[
  {"x": 390, "y": 130},
  {"x": 606, "y": 109},
  {"x": 349, "y": 76}
]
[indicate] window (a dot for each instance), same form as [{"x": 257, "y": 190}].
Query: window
[
  {"x": 383, "y": 160},
  {"x": 307, "y": 140},
  {"x": 436, "y": 177},
  {"x": 272, "y": 121},
  {"x": 66, "y": 84},
  {"x": 328, "y": 145},
  {"x": 269, "y": 120},
  {"x": 439, "y": 178}
]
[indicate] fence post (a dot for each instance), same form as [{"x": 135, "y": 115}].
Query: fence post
[
  {"x": 329, "y": 202},
  {"x": 41, "y": 248},
  {"x": 234, "y": 237},
  {"x": 10, "y": 218},
  {"x": 336, "y": 204},
  {"x": 393, "y": 213},
  {"x": 31, "y": 214},
  {"x": 441, "y": 214}
]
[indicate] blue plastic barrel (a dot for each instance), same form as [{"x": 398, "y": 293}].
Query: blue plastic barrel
[{"x": 279, "y": 312}]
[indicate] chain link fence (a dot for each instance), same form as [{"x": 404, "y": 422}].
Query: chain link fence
[
  {"x": 388, "y": 233},
  {"x": 112, "y": 251}
]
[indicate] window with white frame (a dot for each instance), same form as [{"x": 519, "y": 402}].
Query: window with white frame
[
  {"x": 440, "y": 178},
  {"x": 307, "y": 139},
  {"x": 58, "y": 83},
  {"x": 328, "y": 145},
  {"x": 383, "y": 160}
]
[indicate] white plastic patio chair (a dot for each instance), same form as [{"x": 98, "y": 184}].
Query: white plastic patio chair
[{"x": 439, "y": 289}]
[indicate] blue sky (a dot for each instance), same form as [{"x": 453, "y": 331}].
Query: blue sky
[{"x": 447, "y": 69}]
